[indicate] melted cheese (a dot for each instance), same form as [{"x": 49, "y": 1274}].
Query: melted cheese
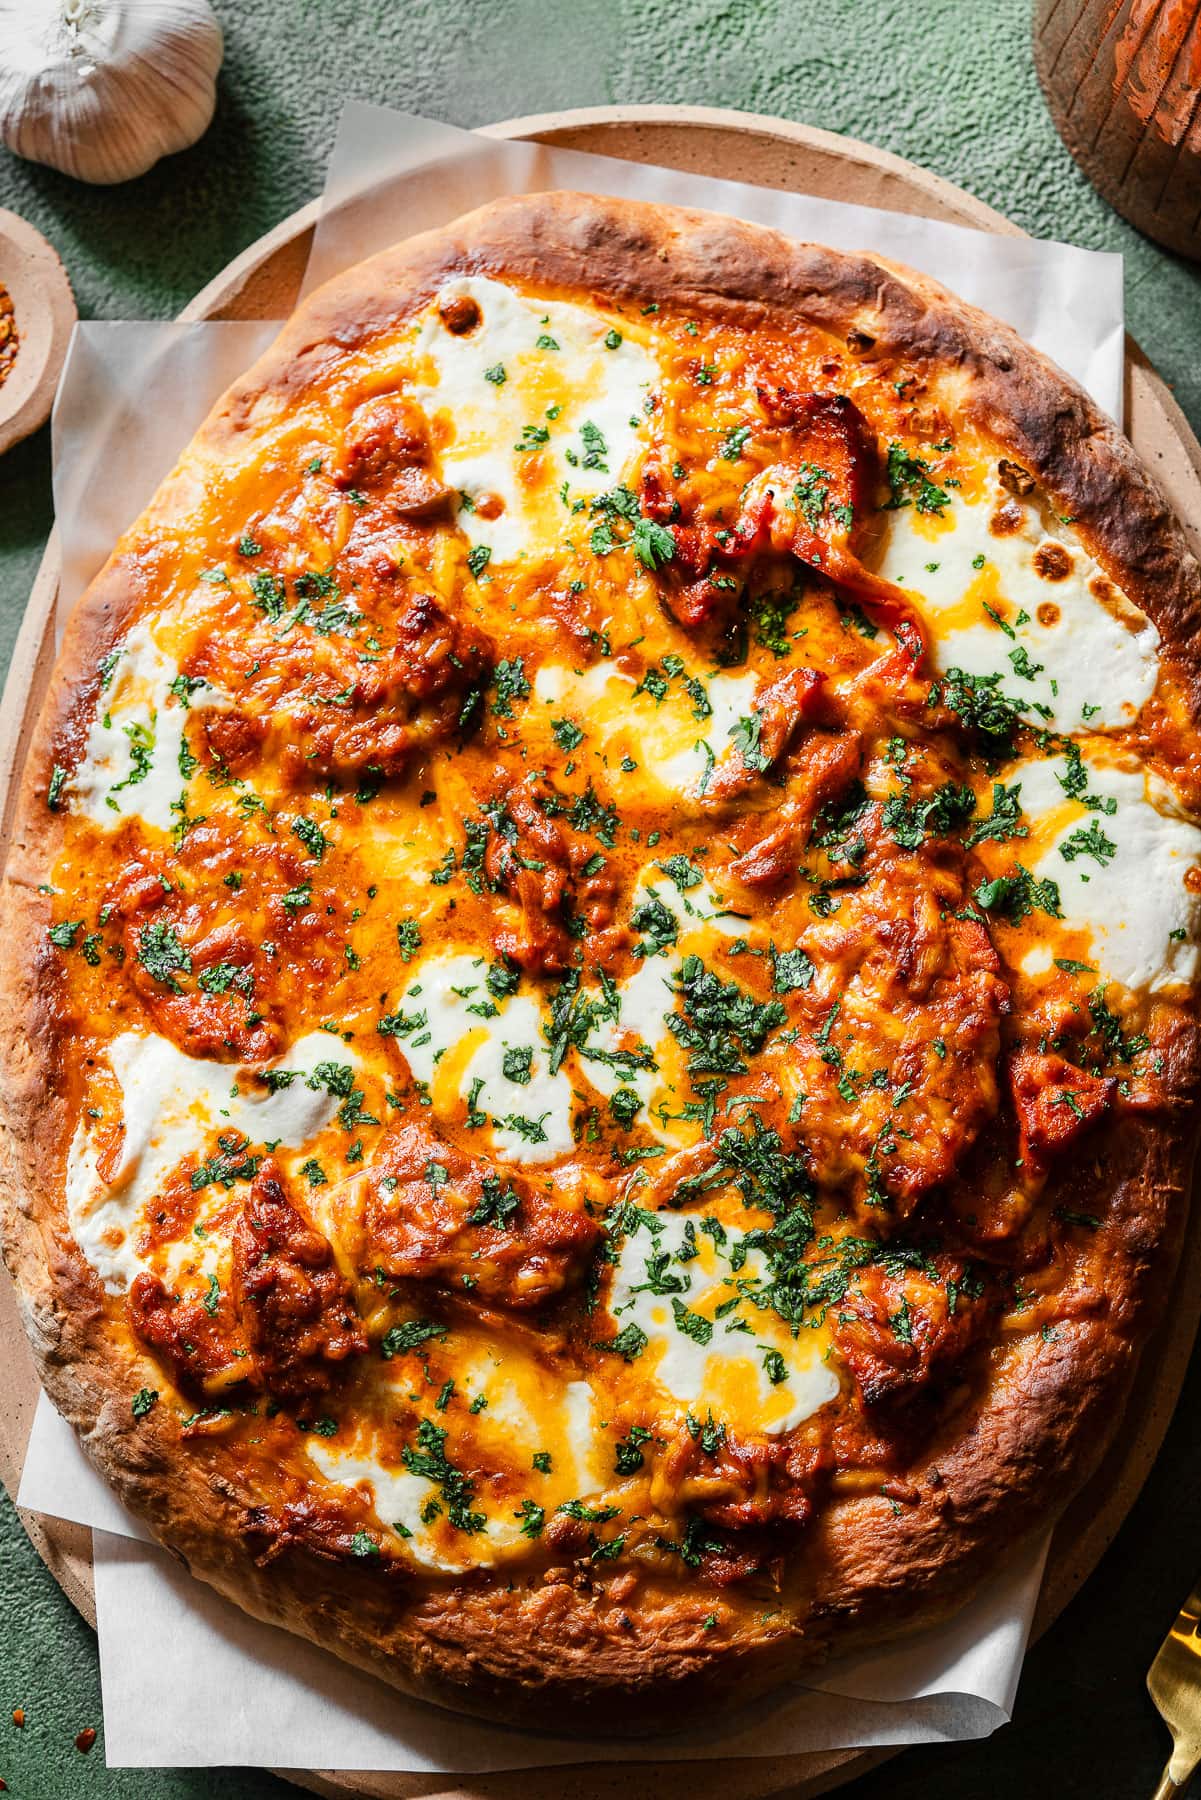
[
  {"x": 1128, "y": 895},
  {"x": 458, "y": 1045},
  {"x": 531, "y": 373},
  {"x": 1090, "y": 665},
  {"x": 524, "y": 1412},
  {"x": 131, "y": 767},
  {"x": 397, "y": 1497},
  {"x": 173, "y": 1107},
  {"x": 671, "y": 749},
  {"x": 647, "y": 999},
  {"x": 696, "y": 1353}
]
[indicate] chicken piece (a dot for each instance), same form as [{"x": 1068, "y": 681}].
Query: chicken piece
[
  {"x": 900, "y": 1329},
  {"x": 540, "y": 864},
  {"x": 295, "y": 1307},
  {"x": 326, "y": 709},
  {"x": 286, "y": 1323},
  {"x": 1056, "y": 1103},
  {"x": 430, "y": 1212}
]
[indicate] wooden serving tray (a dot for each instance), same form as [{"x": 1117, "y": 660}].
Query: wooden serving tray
[{"x": 263, "y": 283}]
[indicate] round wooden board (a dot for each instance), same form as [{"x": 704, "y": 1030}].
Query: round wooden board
[{"x": 263, "y": 283}]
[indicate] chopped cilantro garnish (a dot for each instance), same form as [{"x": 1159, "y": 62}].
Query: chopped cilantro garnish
[
  {"x": 429, "y": 1460},
  {"x": 568, "y": 736},
  {"x": 683, "y": 872},
  {"x": 409, "y": 1336},
  {"x": 516, "y": 1065},
  {"x": 509, "y": 683},
  {"x": 721, "y": 1023},
  {"x": 268, "y": 594},
  {"x": 161, "y": 954},
  {"x": 1089, "y": 841},
  {"x": 629, "y": 1343},
  {"x": 496, "y": 1205},
  {"x": 910, "y": 484},
  {"x": 910, "y": 822},
  {"x": 629, "y": 1450},
  {"x": 408, "y": 938},
  {"x": 793, "y": 969},
  {"x": 311, "y": 836},
  {"x": 1014, "y": 896},
  {"x": 230, "y": 1162},
  {"x": 1002, "y": 823},
  {"x": 692, "y": 1324}
]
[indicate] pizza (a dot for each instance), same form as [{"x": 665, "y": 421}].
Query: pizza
[{"x": 599, "y": 964}]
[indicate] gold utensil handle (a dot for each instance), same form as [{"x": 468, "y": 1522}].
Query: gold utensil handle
[{"x": 1168, "y": 1789}]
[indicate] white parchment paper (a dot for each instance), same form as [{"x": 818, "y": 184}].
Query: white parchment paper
[
  {"x": 189, "y": 1680},
  {"x": 130, "y": 399}
]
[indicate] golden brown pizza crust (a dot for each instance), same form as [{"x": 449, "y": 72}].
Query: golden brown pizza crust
[{"x": 1001, "y": 1470}]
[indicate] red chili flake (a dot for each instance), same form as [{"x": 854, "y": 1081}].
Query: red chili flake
[
  {"x": 18, "y": 1716},
  {"x": 85, "y": 1740}
]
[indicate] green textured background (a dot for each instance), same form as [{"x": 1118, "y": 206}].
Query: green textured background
[{"x": 948, "y": 83}]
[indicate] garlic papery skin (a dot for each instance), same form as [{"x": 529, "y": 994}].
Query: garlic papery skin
[{"x": 101, "y": 89}]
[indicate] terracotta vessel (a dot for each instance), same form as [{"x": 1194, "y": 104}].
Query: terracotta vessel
[{"x": 1123, "y": 81}]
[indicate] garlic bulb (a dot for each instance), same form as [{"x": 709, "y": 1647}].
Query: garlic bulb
[{"x": 102, "y": 88}]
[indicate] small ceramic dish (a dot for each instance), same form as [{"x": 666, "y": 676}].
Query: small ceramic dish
[{"x": 43, "y": 313}]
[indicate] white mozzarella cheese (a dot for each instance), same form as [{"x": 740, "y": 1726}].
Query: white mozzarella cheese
[
  {"x": 527, "y": 1413},
  {"x": 543, "y": 1097},
  {"x": 173, "y": 1107},
  {"x": 397, "y": 1498},
  {"x": 1128, "y": 892},
  {"x": 1088, "y": 665},
  {"x": 647, "y": 998},
  {"x": 732, "y": 698},
  {"x": 723, "y": 1363},
  {"x": 453, "y": 1047},
  {"x": 539, "y": 393},
  {"x": 130, "y": 768}
]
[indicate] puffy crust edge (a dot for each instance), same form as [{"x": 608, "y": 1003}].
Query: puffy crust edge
[{"x": 1003, "y": 1469}]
